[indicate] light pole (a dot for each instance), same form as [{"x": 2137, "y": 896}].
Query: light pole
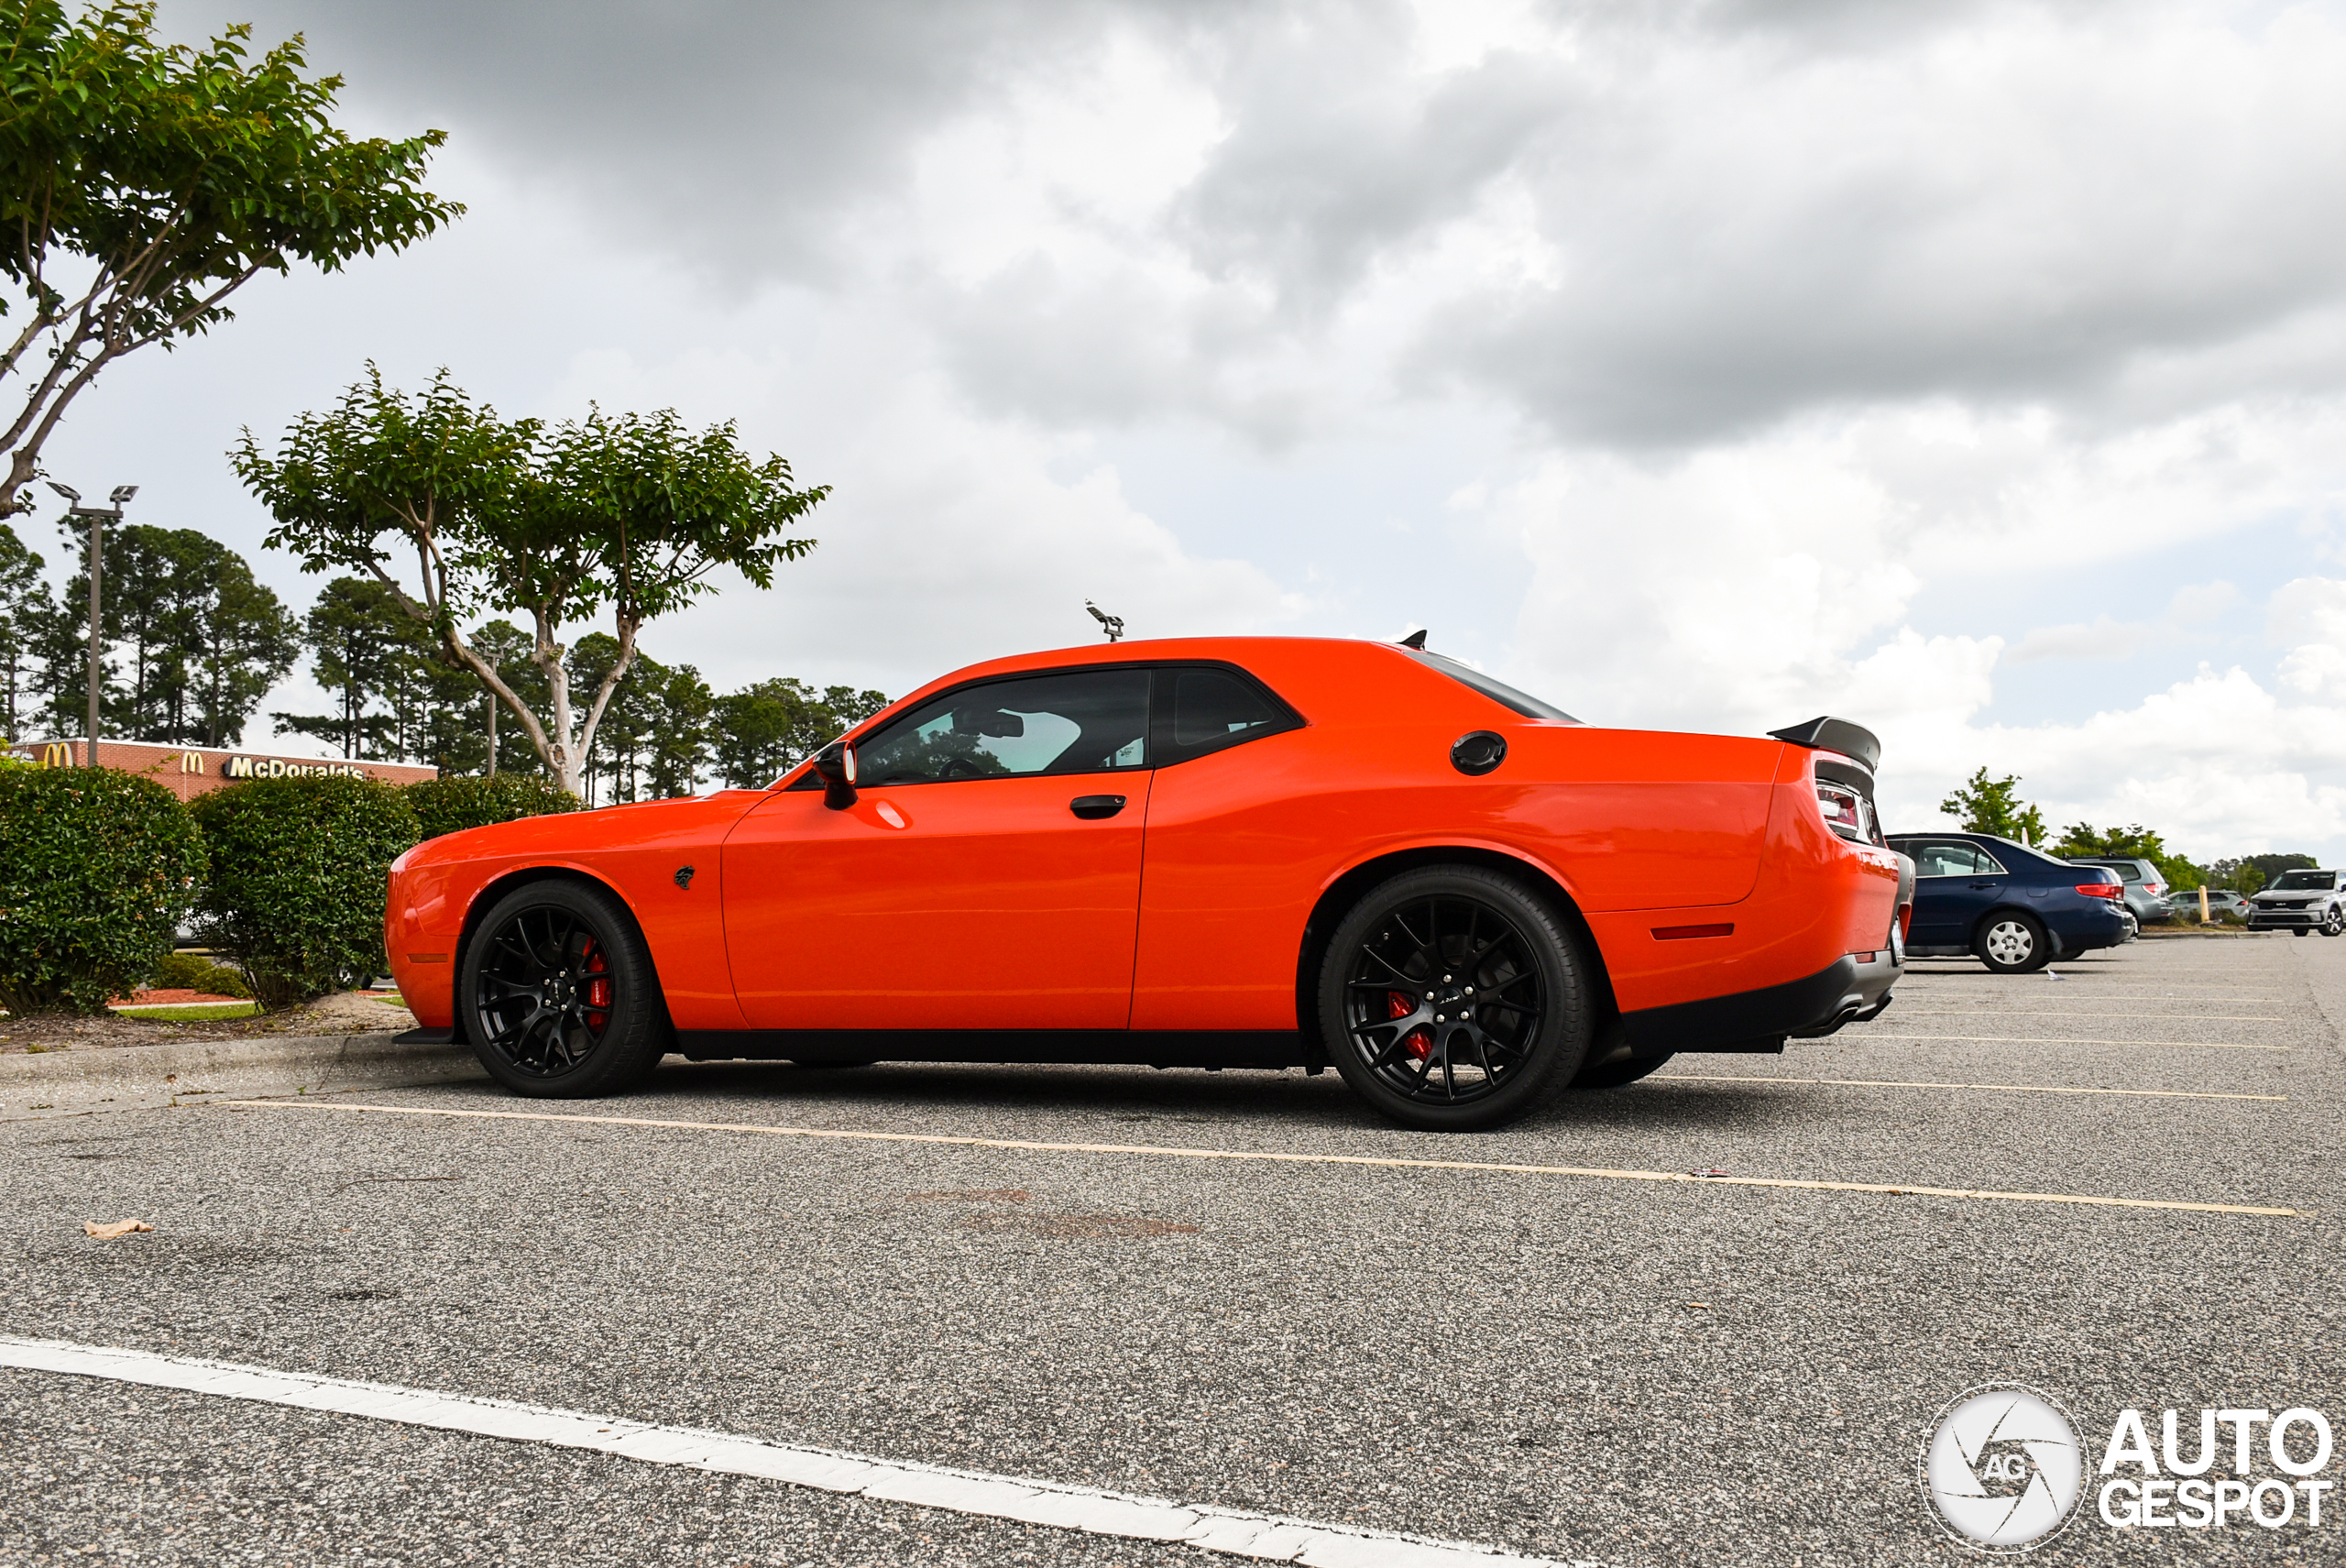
[{"x": 97, "y": 516}]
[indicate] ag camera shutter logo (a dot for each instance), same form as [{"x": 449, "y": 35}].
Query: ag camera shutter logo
[{"x": 2003, "y": 1467}]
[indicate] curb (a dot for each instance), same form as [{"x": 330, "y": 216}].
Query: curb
[{"x": 121, "y": 1077}]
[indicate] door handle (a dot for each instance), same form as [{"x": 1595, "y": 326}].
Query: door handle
[
  {"x": 1979, "y": 886},
  {"x": 1091, "y": 807}
]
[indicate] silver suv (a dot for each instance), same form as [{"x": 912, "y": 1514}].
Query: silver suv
[
  {"x": 2303, "y": 902},
  {"x": 2147, "y": 889}
]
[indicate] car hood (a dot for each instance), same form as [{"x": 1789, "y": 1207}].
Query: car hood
[{"x": 570, "y": 831}]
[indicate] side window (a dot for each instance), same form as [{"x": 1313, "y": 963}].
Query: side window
[
  {"x": 1202, "y": 709},
  {"x": 2129, "y": 871},
  {"x": 1081, "y": 722},
  {"x": 1942, "y": 859}
]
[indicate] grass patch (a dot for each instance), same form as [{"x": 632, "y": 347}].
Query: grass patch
[{"x": 193, "y": 1012}]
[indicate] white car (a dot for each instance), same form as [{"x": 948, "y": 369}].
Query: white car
[{"x": 2303, "y": 902}]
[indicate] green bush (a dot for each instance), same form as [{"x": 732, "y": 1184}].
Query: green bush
[
  {"x": 299, "y": 867},
  {"x": 192, "y": 971},
  {"x": 97, "y": 867},
  {"x": 450, "y": 806}
]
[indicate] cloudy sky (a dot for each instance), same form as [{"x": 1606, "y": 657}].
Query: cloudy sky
[{"x": 1977, "y": 371}]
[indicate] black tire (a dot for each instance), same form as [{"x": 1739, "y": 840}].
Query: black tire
[
  {"x": 558, "y": 995},
  {"x": 2013, "y": 943},
  {"x": 1613, "y": 1075},
  {"x": 2301, "y": 931},
  {"x": 2332, "y": 923},
  {"x": 1412, "y": 962}
]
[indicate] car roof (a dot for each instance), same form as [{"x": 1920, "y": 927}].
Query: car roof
[{"x": 1323, "y": 677}]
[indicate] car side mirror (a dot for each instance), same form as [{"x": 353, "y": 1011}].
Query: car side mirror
[{"x": 835, "y": 766}]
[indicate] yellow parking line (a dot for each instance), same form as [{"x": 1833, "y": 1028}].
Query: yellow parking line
[
  {"x": 1266, "y": 1157},
  {"x": 2008, "y": 1088},
  {"x": 2064, "y": 1040}
]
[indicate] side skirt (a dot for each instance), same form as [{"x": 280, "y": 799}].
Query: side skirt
[{"x": 1272, "y": 1048}]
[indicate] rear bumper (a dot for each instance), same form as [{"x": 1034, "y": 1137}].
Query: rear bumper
[{"x": 1851, "y": 988}]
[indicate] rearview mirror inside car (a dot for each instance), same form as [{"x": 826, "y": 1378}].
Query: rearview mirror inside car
[{"x": 991, "y": 722}]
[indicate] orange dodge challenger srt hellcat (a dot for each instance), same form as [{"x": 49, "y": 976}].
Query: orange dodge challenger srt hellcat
[{"x": 1261, "y": 853}]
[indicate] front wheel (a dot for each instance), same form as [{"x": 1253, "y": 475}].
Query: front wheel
[
  {"x": 558, "y": 993},
  {"x": 2333, "y": 922},
  {"x": 2013, "y": 943},
  {"x": 1455, "y": 999}
]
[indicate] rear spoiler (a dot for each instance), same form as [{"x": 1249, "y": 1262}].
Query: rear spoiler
[{"x": 1854, "y": 741}]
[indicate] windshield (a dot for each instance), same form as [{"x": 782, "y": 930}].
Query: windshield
[
  {"x": 1506, "y": 695},
  {"x": 2304, "y": 880}
]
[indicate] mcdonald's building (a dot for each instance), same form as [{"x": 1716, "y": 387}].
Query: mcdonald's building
[{"x": 190, "y": 772}]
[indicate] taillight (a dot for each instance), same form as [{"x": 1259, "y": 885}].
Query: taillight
[
  {"x": 2102, "y": 890},
  {"x": 2155, "y": 888},
  {"x": 1843, "y": 810}
]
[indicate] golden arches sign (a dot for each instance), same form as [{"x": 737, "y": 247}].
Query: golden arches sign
[
  {"x": 56, "y": 754},
  {"x": 191, "y": 762}
]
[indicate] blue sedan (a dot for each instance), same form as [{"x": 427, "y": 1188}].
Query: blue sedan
[{"x": 2011, "y": 907}]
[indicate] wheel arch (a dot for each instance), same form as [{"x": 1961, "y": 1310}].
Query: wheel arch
[
  {"x": 485, "y": 899},
  {"x": 1348, "y": 889}
]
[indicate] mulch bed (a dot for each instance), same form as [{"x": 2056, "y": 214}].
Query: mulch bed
[{"x": 345, "y": 1014}]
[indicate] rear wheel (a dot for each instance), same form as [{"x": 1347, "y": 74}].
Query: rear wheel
[
  {"x": 2014, "y": 943},
  {"x": 1455, "y": 999},
  {"x": 559, "y": 996}
]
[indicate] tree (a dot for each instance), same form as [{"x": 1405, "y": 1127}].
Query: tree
[
  {"x": 142, "y": 183},
  {"x": 2135, "y": 843},
  {"x": 764, "y": 730},
  {"x": 359, "y": 642},
  {"x": 1993, "y": 806},
  {"x": 201, "y": 641},
  {"x": 23, "y": 596},
  {"x": 243, "y": 646},
  {"x": 629, "y": 513}
]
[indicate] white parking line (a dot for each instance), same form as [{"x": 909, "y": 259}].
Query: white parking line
[
  {"x": 1862, "y": 1034},
  {"x": 1273, "y": 1157},
  {"x": 2086, "y": 1013},
  {"x": 1233, "y": 1531},
  {"x": 2006, "y": 1088}
]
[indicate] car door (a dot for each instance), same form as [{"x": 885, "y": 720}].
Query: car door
[
  {"x": 987, "y": 877},
  {"x": 1954, "y": 883}
]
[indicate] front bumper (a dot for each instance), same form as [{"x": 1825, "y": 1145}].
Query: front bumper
[{"x": 2261, "y": 919}]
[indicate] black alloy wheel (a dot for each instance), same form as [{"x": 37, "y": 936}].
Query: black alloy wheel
[
  {"x": 1455, "y": 999},
  {"x": 2013, "y": 943},
  {"x": 559, "y": 996}
]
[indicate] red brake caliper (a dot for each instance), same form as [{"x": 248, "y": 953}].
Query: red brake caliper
[
  {"x": 1399, "y": 1005},
  {"x": 598, "y": 990}
]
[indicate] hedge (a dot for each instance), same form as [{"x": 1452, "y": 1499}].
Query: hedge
[
  {"x": 450, "y": 806},
  {"x": 299, "y": 867},
  {"x": 191, "y": 971},
  {"x": 97, "y": 869}
]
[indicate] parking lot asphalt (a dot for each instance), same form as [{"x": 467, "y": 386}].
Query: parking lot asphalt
[{"x": 1583, "y": 1367}]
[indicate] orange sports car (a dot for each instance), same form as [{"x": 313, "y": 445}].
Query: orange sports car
[{"x": 1218, "y": 852}]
